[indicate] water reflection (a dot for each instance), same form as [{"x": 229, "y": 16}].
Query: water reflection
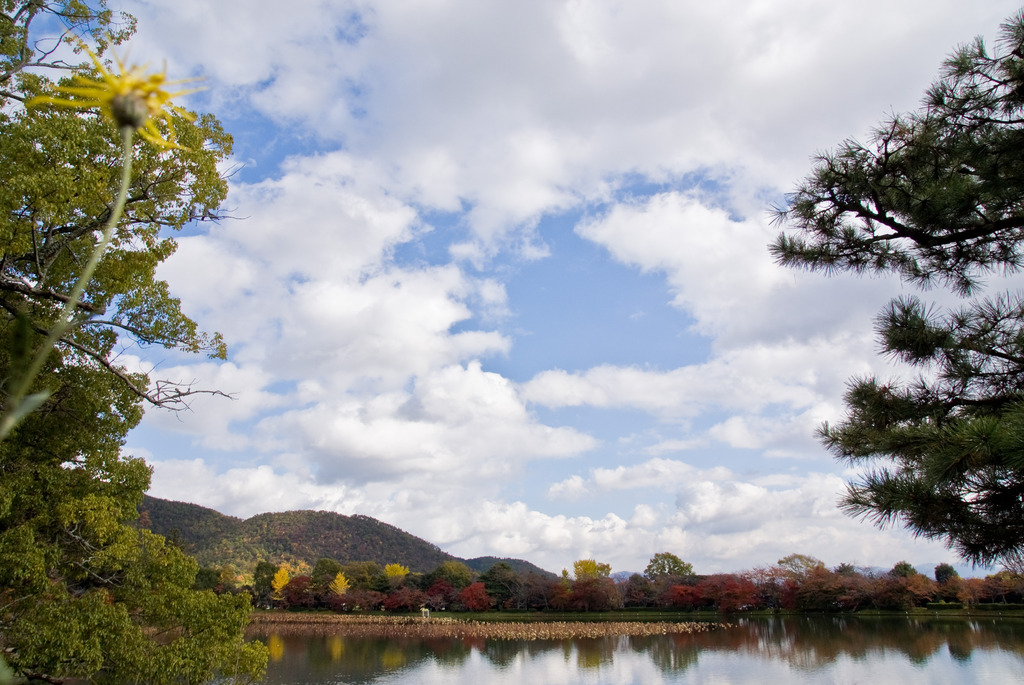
[{"x": 771, "y": 650}]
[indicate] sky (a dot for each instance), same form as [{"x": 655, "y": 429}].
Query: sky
[{"x": 496, "y": 272}]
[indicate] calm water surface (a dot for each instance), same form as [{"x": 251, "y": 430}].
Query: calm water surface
[{"x": 800, "y": 650}]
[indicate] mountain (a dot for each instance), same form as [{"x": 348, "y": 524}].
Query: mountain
[
  {"x": 520, "y": 566},
  {"x": 215, "y": 539}
]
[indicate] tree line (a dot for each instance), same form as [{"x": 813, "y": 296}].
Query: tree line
[{"x": 796, "y": 582}]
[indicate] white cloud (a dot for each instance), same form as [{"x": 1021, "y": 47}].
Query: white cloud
[
  {"x": 455, "y": 427},
  {"x": 210, "y": 417},
  {"x": 723, "y": 521},
  {"x": 451, "y": 107},
  {"x": 655, "y": 474},
  {"x": 720, "y": 272},
  {"x": 248, "y": 490},
  {"x": 750, "y": 379},
  {"x": 774, "y": 396}
]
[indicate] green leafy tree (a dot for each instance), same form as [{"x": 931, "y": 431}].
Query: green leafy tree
[
  {"x": 366, "y": 575},
  {"x": 207, "y": 578},
  {"x": 82, "y": 592},
  {"x": 945, "y": 573},
  {"x": 903, "y": 569},
  {"x": 323, "y": 574},
  {"x": 667, "y": 564},
  {"x": 455, "y": 573},
  {"x": 504, "y": 585},
  {"x": 324, "y": 571},
  {"x": 263, "y": 581},
  {"x": 937, "y": 197}
]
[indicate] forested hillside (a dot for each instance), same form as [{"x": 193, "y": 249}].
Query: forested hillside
[
  {"x": 216, "y": 539},
  {"x": 483, "y": 564}
]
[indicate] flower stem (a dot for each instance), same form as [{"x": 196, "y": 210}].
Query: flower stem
[{"x": 19, "y": 403}]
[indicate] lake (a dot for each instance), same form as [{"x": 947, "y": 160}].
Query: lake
[{"x": 798, "y": 649}]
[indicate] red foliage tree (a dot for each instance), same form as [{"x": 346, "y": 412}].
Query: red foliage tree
[
  {"x": 637, "y": 591},
  {"x": 339, "y": 602},
  {"x": 729, "y": 592},
  {"x": 1004, "y": 586},
  {"x": 682, "y": 597},
  {"x": 771, "y": 584},
  {"x": 970, "y": 590},
  {"x": 359, "y": 599},
  {"x": 902, "y": 592},
  {"x": 594, "y": 594},
  {"x": 297, "y": 594},
  {"x": 825, "y": 590},
  {"x": 440, "y": 594},
  {"x": 475, "y": 598},
  {"x": 405, "y": 599},
  {"x": 559, "y": 594}
]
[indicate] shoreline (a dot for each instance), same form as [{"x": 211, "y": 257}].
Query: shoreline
[{"x": 447, "y": 627}]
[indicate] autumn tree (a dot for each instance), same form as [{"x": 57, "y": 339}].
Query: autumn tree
[
  {"x": 970, "y": 590},
  {"x": 263, "y": 581},
  {"x": 594, "y": 593},
  {"x": 82, "y": 592},
  {"x": 588, "y": 568},
  {"x": 949, "y": 583},
  {"x": 405, "y": 599},
  {"x": 728, "y": 592},
  {"x": 280, "y": 581},
  {"x": 298, "y": 593},
  {"x": 340, "y": 585},
  {"x": 773, "y": 585},
  {"x": 475, "y": 597},
  {"x": 687, "y": 597},
  {"x": 440, "y": 594},
  {"x": 1004, "y": 586},
  {"x": 637, "y": 591},
  {"x": 538, "y": 590},
  {"x": 799, "y": 565},
  {"x": 903, "y": 588},
  {"x": 591, "y": 589},
  {"x": 842, "y": 589},
  {"x": 937, "y": 197},
  {"x": 362, "y": 599},
  {"x": 396, "y": 572}
]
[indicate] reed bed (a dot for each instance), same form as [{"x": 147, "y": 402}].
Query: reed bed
[{"x": 443, "y": 627}]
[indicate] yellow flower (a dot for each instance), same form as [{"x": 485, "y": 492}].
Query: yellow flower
[{"x": 130, "y": 98}]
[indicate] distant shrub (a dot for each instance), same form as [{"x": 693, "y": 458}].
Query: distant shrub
[
  {"x": 944, "y": 606},
  {"x": 999, "y": 606}
]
